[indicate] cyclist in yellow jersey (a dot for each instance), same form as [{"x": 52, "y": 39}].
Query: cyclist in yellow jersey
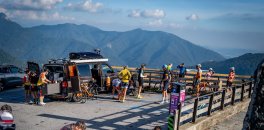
[{"x": 125, "y": 76}]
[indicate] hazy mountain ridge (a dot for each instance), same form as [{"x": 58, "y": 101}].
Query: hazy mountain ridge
[
  {"x": 132, "y": 48},
  {"x": 245, "y": 64}
]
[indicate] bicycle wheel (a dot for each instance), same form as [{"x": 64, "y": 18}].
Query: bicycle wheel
[
  {"x": 77, "y": 97},
  {"x": 93, "y": 92},
  {"x": 84, "y": 98}
]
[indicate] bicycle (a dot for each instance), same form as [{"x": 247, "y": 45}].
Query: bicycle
[{"x": 88, "y": 91}]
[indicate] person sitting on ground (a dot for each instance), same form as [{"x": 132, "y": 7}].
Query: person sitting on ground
[
  {"x": 141, "y": 77},
  {"x": 125, "y": 77},
  {"x": 116, "y": 87},
  {"x": 231, "y": 78},
  {"x": 41, "y": 84},
  {"x": 165, "y": 82},
  {"x": 79, "y": 125},
  {"x": 157, "y": 128}
]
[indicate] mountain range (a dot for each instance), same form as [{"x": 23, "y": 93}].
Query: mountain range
[
  {"x": 132, "y": 48},
  {"x": 245, "y": 64}
]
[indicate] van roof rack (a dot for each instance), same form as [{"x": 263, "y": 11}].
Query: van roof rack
[{"x": 61, "y": 60}]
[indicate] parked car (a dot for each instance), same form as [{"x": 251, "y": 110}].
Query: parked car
[
  {"x": 10, "y": 76},
  {"x": 68, "y": 75}
]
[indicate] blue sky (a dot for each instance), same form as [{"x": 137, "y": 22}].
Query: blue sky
[{"x": 233, "y": 24}]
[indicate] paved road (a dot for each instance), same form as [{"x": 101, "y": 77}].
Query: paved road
[
  {"x": 234, "y": 123},
  {"x": 103, "y": 113}
]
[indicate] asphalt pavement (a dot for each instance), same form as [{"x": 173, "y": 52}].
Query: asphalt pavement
[{"x": 103, "y": 113}]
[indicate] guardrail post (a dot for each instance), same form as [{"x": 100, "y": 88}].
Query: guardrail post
[
  {"x": 177, "y": 117},
  {"x": 195, "y": 107},
  {"x": 210, "y": 104},
  {"x": 149, "y": 78},
  {"x": 233, "y": 95},
  {"x": 242, "y": 92},
  {"x": 250, "y": 89},
  {"x": 223, "y": 99}
]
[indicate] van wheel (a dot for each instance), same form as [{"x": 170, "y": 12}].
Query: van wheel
[{"x": 77, "y": 97}]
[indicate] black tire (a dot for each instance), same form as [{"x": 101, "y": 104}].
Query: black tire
[
  {"x": 84, "y": 98},
  {"x": 93, "y": 90},
  {"x": 76, "y": 97}
]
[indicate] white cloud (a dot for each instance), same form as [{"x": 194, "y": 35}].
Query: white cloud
[
  {"x": 87, "y": 5},
  {"x": 193, "y": 17},
  {"x": 29, "y": 4},
  {"x": 135, "y": 13},
  {"x": 156, "y": 23},
  {"x": 2, "y": 10},
  {"x": 109, "y": 45},
  {"x": 157, "y": 13},
  {"x": 153, "y": 13},
  {"x": 40, "y": 16}
]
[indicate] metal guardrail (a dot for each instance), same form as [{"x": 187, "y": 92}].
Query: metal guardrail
[
  {"x": 207, "y": 104},
  {"x": 154, "y": 76}
]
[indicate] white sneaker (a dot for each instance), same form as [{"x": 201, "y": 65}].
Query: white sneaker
[
  {"x": 30, "y": 102},
  {"x": 162, "y": 102},
  {"x": 167, "y": 101},
  {"x": 42, "y": 104}
]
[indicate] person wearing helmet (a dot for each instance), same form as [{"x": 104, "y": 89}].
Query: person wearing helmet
[
  {"x": 231, "y": 77},
  {"x": 125, "y": 76},
  {"x": 165, "y": 82},
  {"x": 141, "y": 77},
  {"x": 198, "y": 78},
  {"x": 209, "y": 74},
  {"x": 41, "y": 83}
]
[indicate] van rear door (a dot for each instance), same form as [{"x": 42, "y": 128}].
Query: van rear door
[{"x": 33, "y": 67}]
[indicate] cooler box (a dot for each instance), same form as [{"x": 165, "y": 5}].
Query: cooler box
[
  {"x": 177, "y": 95},
  {"x": 53, "y": 88}
]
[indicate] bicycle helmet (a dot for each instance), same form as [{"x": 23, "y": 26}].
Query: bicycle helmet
[
  {"x": 164, "y": 66},
  {"x": 199, "y": 65},
  {"x": 210, "y": 69},
  {"x": 232, "y": 68}
]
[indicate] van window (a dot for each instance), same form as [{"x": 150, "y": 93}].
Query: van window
[
  {"x": 14, "y": 69},
  {"x": 84, "y": 70},
  {"x": 106, "y": 68}
]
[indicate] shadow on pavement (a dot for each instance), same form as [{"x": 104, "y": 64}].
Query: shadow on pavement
[{"x": 142, "y": 117}]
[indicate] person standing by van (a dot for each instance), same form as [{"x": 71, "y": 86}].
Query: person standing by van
[
  {"x": 33, "y": 78},
  {"x": 125, "y": 76},
  {"x": 27, "y": 87},
  {"x": 41, "y": 82},
  {"x": 141, "y": 77}
]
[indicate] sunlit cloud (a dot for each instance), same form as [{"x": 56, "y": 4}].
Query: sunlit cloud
[
  {"x": 40, "y": 16},
  {"x": 193, "y": 17},
  {"x": 157, "y": 13},
  {"x": 29, "y": 4},
  {"x": 156, "y": 23},
  {"x": 87, "y": 5}
]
